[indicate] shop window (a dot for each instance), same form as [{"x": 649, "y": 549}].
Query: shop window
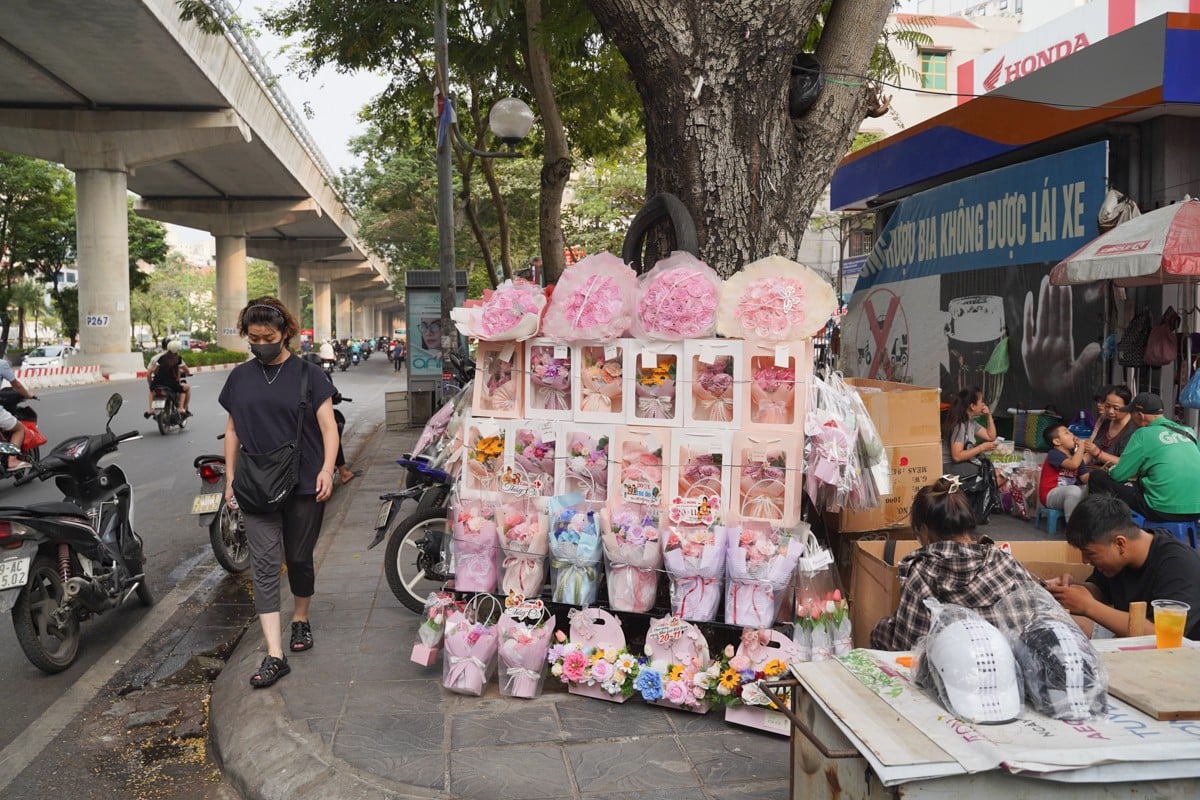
[{"x": 933, "y": 70}]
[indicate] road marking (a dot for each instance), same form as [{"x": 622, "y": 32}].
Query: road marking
[{"x": 33, "y": 740}]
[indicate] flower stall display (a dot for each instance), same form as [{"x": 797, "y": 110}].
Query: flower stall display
[
  {"x": 679, "y": 672},
  {"x": 712, "y": 396},
  {"x": 470, "y": 658},
  {"x": 593, "y": 301},
  {"x": 499, "y": 389},
  {"x": 475, "y": 539},
  {"x": 761, "y": 655},
  {"x": 575, "y": 551},
  {"x": 632, "y": 556},
  {"x": 529, "y": 463},
  {"x": 524, "y": 632},
  {"x": 599, "y": 385},
  {"x": 583, "y": 467},
  {"x": 432, "y": 630},
  {"x": 653, "y": 385},
  {"x": 483, "y": 456},
  {"x": 766, "y": 471},
  {"x": 548, "y": 379},
  {"x": 636, "y": 473},
  {"x": 774, "y": 300},
  {"x": 759, "y": 565},
  {"x": 593, "y": 661},
  {"x": 677, "y": 300},
  {"x": 822, "y": 628},
  {"x": 699, "y": 476},
  {"x": 833, "y": 467},
  {"x": 775, "y": 384},
  {"x": 511, "y": 312},
  {"x": 524, "y": 539},
  {"x": 694, "y": 557}
]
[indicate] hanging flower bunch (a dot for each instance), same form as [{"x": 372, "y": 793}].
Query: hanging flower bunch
[{"x": 774, "y": 300}]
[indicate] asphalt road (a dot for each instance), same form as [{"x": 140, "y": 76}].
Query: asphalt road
[{"x": 160, "y": 469}]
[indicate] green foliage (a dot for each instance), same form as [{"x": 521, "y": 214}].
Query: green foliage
[
  {"x": 203, "y": 358},
  {"x": 261, "y": 278},
  {"x": 67, "y": 303},
  {"x": 147, "y": 243},
  {"x": 608, "y": 191}
]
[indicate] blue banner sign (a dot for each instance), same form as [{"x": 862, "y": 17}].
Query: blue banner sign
[{"x": 1037, "y": 211}]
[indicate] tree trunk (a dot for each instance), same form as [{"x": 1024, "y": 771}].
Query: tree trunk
[
  {"x": 21, "y": 328},
  {"x": 465, "y": 165},
  {"x": 556, "y": 155},
  {"x": 714, "y": 77}
]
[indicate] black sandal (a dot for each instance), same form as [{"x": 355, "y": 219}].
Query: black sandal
[
  {"x": 270, "y": 670},
  {"x": 302, "y": 638}
]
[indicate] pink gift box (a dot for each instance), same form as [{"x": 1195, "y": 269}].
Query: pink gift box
[
  {"x": 595, "y": 627},
  {"x": 595, "y": 692},
  {"x": 425, "y": 656},
  {"x": 760, "y": 718},
  {"x": 762, "y": 646},
  {"x": 774, "y": 382},
  {"x": 499, "y": 381},
  {"x": 653, "y": 385}
]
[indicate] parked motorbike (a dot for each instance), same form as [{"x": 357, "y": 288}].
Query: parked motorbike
[
  {"x": 226, "y": 528},
  {"x": 14, "y": 403},
  {"x": 67, "y": 561},
  {"x": 166, "y": 410}
]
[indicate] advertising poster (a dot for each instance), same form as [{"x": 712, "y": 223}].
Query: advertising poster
[{"x": 424, "y": 331}]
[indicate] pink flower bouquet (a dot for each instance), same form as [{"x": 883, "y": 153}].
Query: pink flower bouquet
[
  {"x": 470, "y": 654},
  {"x": 522, "y": 656},
  {"x": 575, "y": 552},
  {"x": 592, "y": 302},
  {"x": 772, "y": 393},
  {"x": 548, "y": 369},
  {"x": 776, "y": 300},
  {"x": 759, "y": 565},
  {"x": 656, "y": 387},
  {"x": 712, "y": 390},
  {"x": 476, "y": 545},
  {"x": 677, "y": 300},
  {"x": 600, "y": 388},
  {"x": 529, "y": 470},
  {"x": 585, "y": 468},
  {"x": 512, "y": 312},
  {"x": 594, "y": 661},
  {"x": 524, "y": 543},
  {"x": 694, "y": 556},
  {"x": 679, "y": 672},
  {"x": 766, "y": 473},
  {"x": 432, "y": 629},
  {"x": 636, "y": 475},
  {"x": 822, "y": 622},
  {"x": 498, "y": 387},
  {"x": 632, "y": 554},
  {"x": 699, "y": 484}
]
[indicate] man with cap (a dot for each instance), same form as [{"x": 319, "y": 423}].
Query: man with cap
[{"x": 1162, "y": 462}]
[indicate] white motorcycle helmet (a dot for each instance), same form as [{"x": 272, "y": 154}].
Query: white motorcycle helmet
[
  {"x": 972, "y": 667},
  {"x": 174, "y": 346}
]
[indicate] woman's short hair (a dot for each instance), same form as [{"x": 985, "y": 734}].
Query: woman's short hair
[
  {"x": 942, "y": 508},
  {"x": 1121, "y": 391},
  {"x": 268, "y": 311}
]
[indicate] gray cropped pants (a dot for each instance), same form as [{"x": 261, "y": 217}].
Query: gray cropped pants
[{"x": 289, "y": 535}]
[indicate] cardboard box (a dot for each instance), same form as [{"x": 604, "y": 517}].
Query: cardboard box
[
  {"x": 875, "y": 591},
  {"x": 912, "y": 466},
  {"x": 904, "y": 414}
]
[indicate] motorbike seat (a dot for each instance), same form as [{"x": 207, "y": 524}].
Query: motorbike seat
[
  {"x": 56, "y": 508},
  {"x": 207, "y": 457}
]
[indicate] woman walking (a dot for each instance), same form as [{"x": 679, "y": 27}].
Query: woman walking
[{"x": 263, "y": 399}]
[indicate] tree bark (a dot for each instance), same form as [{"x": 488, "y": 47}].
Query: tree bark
[{"x": 713, "y": 76}]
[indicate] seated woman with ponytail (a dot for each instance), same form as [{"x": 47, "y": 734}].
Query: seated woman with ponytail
[{"x": 962, "y": 456}]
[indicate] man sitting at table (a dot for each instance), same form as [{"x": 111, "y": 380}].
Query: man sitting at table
[
  {"x": 1163, "y": 461},
  {"x": 1129, "y": 565}
]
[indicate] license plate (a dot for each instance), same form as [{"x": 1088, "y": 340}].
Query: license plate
[
  {"x": 206, "y": 503},
  {"x": 159, "y": 405},
  {"x": 14, "y": 572},
  {"x": 385, "y": 509}
]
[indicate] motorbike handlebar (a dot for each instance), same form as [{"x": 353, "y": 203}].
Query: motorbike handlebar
[
  {"x": 127, "y": 436},
  {"x": 31, "y": 473}
]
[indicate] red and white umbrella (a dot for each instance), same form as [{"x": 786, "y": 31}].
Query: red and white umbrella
[{"x": 1160, "y": 247}]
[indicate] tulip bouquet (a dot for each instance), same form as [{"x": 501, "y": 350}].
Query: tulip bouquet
[
  {"x": 694, "y": 556},
  {"x": 655, "y": 389},
  {"x": 523, "y": 536},
  {"x": 475, "y": 538},
  {"x": 524, "y": 642},
  {"x": 575, "y": 551},
  {"x": 549, "y": 372},
  {"x": 432, "y": 629},
  {"x": 601, "y": 384},
  {"x": 632, "y": 556},
  {"x": 585, "y": 470},
  {"x": 822, "y": 613},
  {"x": 470, "y": 654},
  {"x": 759, "y": 565}
]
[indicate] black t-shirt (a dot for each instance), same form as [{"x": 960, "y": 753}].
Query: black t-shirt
[
  {"x": 1171, "y": 572},
  {"x": 166, "y": 373},
  {"x": 264, "y": 414}
]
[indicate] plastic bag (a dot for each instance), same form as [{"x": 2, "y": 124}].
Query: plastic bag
[
  {"x": 475, "y": 535},
  {"x": 822, "y": 623},
  {"x": 1190, "y": 396},
  {"x": 575, "y": 551},
  {"x": 677, "y": 300}
]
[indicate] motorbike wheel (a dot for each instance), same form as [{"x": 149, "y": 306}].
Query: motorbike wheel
[
  {"x": 228, "y": 537},
  {"x": 48, "y": 647},
  {"x": 161, "y": 419},
  {"x": 144, "y": 594},
  {"x": 405, "y": 576}
]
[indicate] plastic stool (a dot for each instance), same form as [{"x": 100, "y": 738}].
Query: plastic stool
[
  {"x": 1183, "y": 531},
  {"x": 1052, "y": 515}
]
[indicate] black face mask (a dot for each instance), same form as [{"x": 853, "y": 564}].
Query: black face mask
[{"x": 266, "y": 353}]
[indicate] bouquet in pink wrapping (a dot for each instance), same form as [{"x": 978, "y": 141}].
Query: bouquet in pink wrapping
[
  {"x": 512, "y": 312},
  {"x": 776, "y": 300},
  {"x": 759, "y": 565},
  {"x": 694, "y": 556},
  {"x": 432, "y": 629},
  {"x": 601, "y": 382},
  {"x": 524, "y": 542},
  {"x": 470, "y": 655},
  {"x": 713, "y": 390},
  {"x": 633, "y": 554},
  {"x": 677, "y": 300},
  {"x": 655, "y": 390},
  {"x": 772, "y": 393},
  {"x": 498, "y": 386},
  {"x": 549, "y": 379},
  {"x": 586, "y": 465},
  {"x": 522, "y": 655},
  {"x": 762, "y": 488},
  {"x": 592, "y": 302},
  {"x": 476, "y": 545},
  {"x": 533, "y": 457}
]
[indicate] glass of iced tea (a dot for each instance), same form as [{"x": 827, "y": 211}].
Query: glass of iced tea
[{"x": 1170, "y": 618}]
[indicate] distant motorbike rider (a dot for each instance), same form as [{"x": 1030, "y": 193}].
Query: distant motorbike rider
[
  {"x": 169, "y": 373},
  {"x": 12, "y": 428},
  {"x": 328, "y": 356}
]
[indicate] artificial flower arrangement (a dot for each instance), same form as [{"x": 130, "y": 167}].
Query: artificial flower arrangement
[
  {"x": 832, "y": 465},
  {"x": 775, "y": 384},
  {"x": 575, "y": 551},
  {"x": 432, "y": 630},
  {"x": 529, "y": 465},
  {"x": 593, "y": 661},
  {"x": 511, "y": 312},
  {"x": 679, "y": 671},
  {"x": 599, "y": 385},
  {"x": 584, "y": 465},
  {"x": 677, "y": 300},
  {"x": 822, "y": 626},
  {"x": 694, "y": 557},
  {"x": 699, "y": 476},
  {"x": 759, "y": 566},
  {"x": 470, "y": 644},
  {"x": 524, "y": 539},
  {"x": 592, "y": 302},
  {"x": 712, "y": 396},
  {"x": 524, "y": 642},
  {"x": 774, "y": 300},
  {"x": 636, "y": 473},
  {"x": 548, "y": 379},
  {"x": 475, "y": 539},
  {"x": 499, "y": 388},
  {"x": 483, "y": 456},
  {"x": 632, "y": 556},
  {"x": 761, "y": 655},
  {"x": 653, "y": 385},
  {"x": 766, "y": 470}
]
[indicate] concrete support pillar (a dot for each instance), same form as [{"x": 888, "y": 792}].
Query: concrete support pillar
[
  {"x": 362, "y": 320},
  {"x": 322, "y": 310},
  {"x": 289, "y": 285},
  {"x": 343, "y": 314},
  {"x": 381, "y": 326},
  {"x": 231, "y": 290},
  {"x": 102, "y": 224}
]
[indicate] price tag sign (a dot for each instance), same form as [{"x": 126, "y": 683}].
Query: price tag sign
[
  {"x": 649, "y": 359},
  {"x": 783, "y": 354},
  {"x": 610, "y": 352},
  {"x": 561, "y": 351}
]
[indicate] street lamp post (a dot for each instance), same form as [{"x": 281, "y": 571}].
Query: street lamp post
[{"x": 510, "y": 120}]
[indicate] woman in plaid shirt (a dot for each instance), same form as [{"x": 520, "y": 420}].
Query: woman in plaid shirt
[{"x": 953, "y": 565}]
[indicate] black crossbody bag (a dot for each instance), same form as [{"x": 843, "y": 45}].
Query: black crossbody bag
[{"x": 264, "y": 481}]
